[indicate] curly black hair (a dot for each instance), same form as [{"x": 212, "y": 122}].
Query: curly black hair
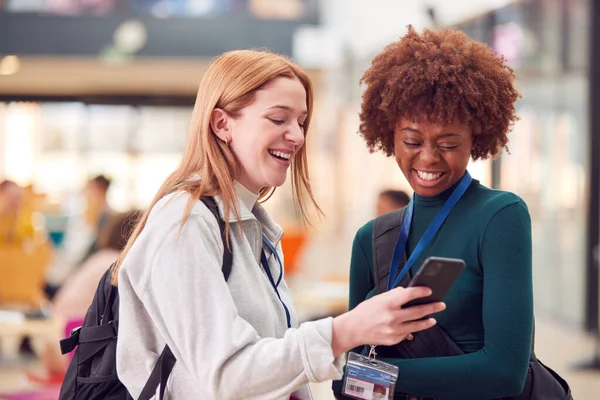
[{"x": 439, "y": 76}]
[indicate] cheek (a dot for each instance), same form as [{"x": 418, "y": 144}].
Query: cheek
[
  {"x": 274, "y": 137},
  {"x": 248, "y": 142},
  {"x": 467, "y": 153},
  {"x": 459, "y": 161},
  {"x": 398, "y": 158},
  {"x": 402, "y": 156}
]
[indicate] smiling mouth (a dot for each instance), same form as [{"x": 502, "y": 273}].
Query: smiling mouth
[
  {"x": 429, "y": 176},
  {"x": 280, "y": 155}
]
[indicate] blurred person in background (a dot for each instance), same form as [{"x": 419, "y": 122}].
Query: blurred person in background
[
  {"x": 75, "y": 296},
  {"x": 81, "y": 234},
  {"x": 16, "y": 220},
  {"x": 391, "y": 200},
  {"x": 98, "y": 211},
  {"x": 434, "y": 101},
  {"x": 240, "y": 337},
  {"x": 25, "y": 251}
]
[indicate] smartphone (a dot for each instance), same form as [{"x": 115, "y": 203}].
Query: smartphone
[{"x": 438, "y": 274}]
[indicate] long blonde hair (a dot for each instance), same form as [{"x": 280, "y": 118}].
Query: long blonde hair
[{"x": 230, "y": 84}]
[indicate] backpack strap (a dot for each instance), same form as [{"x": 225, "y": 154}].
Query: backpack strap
[
  {"x": 89, "y": 334},
  {"x": 227, "y": 255},
  {"x": 386, "y": 229},
  {"x": 159, "y": 376},
  {"x": 99, "y": 325}
]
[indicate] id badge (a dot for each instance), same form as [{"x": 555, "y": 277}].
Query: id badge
[{"x": 369, "y": 379}]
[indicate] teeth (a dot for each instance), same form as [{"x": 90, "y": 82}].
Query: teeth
[
  {"x": 282, "y": 155},
  {"x": 428, "y": 176}
]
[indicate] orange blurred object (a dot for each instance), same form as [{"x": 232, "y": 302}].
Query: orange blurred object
[
  {"x": 292, "y": 244},
  {"x": 23, "y": 273}
]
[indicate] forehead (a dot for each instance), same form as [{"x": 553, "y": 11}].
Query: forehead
[
  {"x": 432, "y": 127},
  {"x": 282, "y": 91}
]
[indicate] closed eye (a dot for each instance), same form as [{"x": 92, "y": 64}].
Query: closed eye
[
  {"x": 411, "y": 144},
  {"x": 449, "y": 147},
  {"x": 276, "y": 121}
]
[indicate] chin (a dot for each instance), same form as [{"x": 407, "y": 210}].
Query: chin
[
  {"x": 428, "y": 192},
  {"x": 277, "y": 184},
  {"x": 425, "y": 191},
  {"x": 276, "y": 181}
]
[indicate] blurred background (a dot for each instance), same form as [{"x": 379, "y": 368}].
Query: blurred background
[{"x": 95, "y": 100}]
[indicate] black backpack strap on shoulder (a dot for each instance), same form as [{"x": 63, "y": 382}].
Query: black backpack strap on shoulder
[
  {"x": 227, "y": 255},
  {"x": 159, "y": 376},
  {"x": 386, "y": 229}
]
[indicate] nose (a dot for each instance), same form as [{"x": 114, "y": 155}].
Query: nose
[
  {"x": 295, "y": 135},
  {"x": 429, "y": 155}
]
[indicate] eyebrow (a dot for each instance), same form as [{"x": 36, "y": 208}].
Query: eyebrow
[
  {"x": 409, "y": 129},
  {"x": 287, "y": 108}
]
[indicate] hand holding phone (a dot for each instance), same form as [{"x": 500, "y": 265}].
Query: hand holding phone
[{"x": 438, "y": 274}]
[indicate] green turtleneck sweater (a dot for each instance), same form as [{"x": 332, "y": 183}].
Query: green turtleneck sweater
[{"x": 489, "y": 312}]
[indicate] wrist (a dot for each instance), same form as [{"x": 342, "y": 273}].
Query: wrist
[{"x": 343, "y": 337}]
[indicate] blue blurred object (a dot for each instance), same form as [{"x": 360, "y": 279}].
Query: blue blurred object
[
  {"x": 56, "y": 238},
  {"x": 185, "y": 7},
  {"x": 56, "y": 225}
]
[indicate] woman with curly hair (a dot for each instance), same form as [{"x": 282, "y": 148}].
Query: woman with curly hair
[{"x": 434, "y": 101}]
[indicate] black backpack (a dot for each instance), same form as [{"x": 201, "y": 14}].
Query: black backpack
[{"x": 92, "y": 373}]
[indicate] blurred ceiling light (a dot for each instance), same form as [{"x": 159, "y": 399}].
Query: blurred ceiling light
[
  {"x": 131, "y": 36},
  {"x": 10, "y": 65}
]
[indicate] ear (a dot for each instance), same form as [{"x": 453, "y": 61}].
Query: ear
[{"x": 220, "y": 124}]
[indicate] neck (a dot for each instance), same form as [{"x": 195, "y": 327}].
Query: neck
[
  {"x": 247, "y": 196},
  {"x": 248, "y": 186}
]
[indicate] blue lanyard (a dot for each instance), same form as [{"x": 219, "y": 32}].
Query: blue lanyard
[
  {"x": 432, "y": 229},
  {"x": 265, "y": 264}
]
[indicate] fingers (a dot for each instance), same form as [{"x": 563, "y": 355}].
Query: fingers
[
  {"x": 418, "y": 312},
  {"x": 393, "y": 323},
  {"x": 408, "y": 336},
  {"x": 416, "y": 326},
  {"x": 401, "y": 296},
  {"x": 403, "y": 332}
]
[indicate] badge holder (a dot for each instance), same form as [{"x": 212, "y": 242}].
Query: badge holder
[{"x": 369, "y": 379}]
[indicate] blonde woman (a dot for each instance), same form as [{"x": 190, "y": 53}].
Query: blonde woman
[{"x": 237, "y": 339}]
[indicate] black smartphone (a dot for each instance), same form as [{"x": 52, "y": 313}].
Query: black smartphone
[{"x": 438, "y": 274}]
